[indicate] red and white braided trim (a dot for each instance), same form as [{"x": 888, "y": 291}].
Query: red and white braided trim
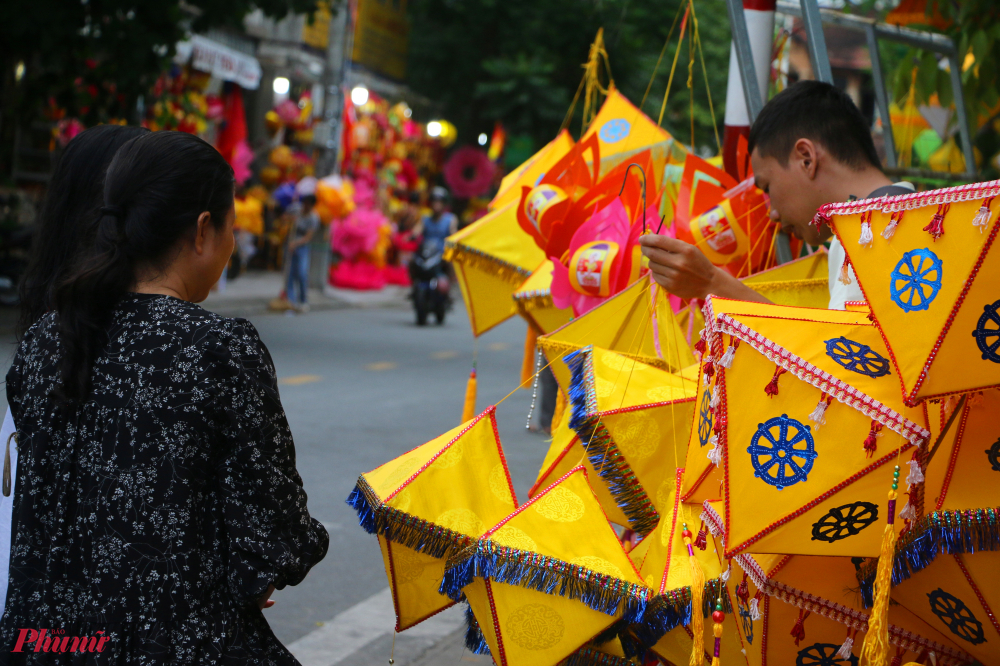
[
  {"x": 892, "y": 204},
  {"x": 829, "y": 609},
  {"x": 824, "y": 381}
]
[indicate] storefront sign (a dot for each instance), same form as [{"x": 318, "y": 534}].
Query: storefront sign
[
  {"x": 381, "y": 37},
  {"x": 219, "y": 60}
]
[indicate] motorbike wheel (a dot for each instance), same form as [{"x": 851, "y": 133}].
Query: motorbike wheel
[
  {"x": 420, "y": 306},
  {"x": 439, "y": 311}
]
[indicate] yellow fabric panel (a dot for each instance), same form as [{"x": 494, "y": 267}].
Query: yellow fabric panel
[
  {"x": 912, "y": 334},
  {"x": 652, "y": 442},
  {"x": 539, "y": 629},
  {"x": 498, "y": 234},
  {"x": 621, "y": 382},
  {"x": 700, "y": 482},
  {"x": 540, "y": 282},
  {"x": 414, "y": 580},
  {"x": 823, "y": 638},
  {"x": 388, "y": 477},
  {"x": 621, "y": 127},
  {"x": 487, "y": 298},
  {"x": 548, "y": 319},
  {"x": 822, "y": 315},
  {"x": 466, "y": 489},
  {"x": 754, "y": 504},
  {"x": 638, "y": 554},
  {"x": 567, "y": 522},
  {"x": 961, "y": 476},
  {"x": 804, "y": 293},
  {"x": 959, "y": 364},
  {"x": 816, "y": 265},
  {"x": 529, "y": 172},
  {"x": 534, "y": 300},
  {"x": 676, "y": 645},
  {"x": 808, "y": 341},
  {"x": 943, "y": 586}
]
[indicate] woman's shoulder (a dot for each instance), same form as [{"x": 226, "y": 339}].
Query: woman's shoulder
[{"x": 188, "y": 323}]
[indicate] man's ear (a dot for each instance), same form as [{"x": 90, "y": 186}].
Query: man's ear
[
  {"x": 805, "y": 154},
  {"x": 201, "y": 231}
]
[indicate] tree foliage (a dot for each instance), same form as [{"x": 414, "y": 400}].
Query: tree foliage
[
  {"x": 94, "y": 57},
  {"x": 520, "y": 61}
]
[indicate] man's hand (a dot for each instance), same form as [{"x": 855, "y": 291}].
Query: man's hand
[
  {"x": 683, "y": 270},
  {"x": 679, "y": 267}
]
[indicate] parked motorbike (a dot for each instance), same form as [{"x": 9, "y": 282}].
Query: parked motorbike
[{"x": 430, "y": 282}]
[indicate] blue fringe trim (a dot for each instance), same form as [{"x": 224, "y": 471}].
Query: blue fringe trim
[
  {"x": 665, "y": 613},
  {"x": 941, "y": 532},
  {"x": 399, "y": 527},
  {"x": 588, "y": 656},
  {"x": 474, "y": 639},
  {"x": 604, "y": 455},
  {"x": 549, "y": 575}
]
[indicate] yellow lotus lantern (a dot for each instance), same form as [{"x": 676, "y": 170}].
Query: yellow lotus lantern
[
  {"x": 430, "y": 502},
  {"x": 549, "y": 578},
  {"x": 792, "y": 484},
  {"x": 928, "y": 267}
]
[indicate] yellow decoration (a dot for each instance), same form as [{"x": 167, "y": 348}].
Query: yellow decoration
[
  {"x": 531, "y": 171},
  {"x": 429, "y": 503},
  {"x": 800, "y": 430},
  {"x": 533, "y": 301},
  {"x": 469, "y": 406},
  {"x": 522, "y": 624},
  {"x": 249, "y": 215},
  {"x": 803, "y": 282},
  {"x": 620, "y": 127},
  {"x": 492, "y": 258},
  {"x": 932, "y": 284},
  {"x": 623, "y": 324}
]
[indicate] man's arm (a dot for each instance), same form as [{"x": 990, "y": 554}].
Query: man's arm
[{"x": 683, "y": 270}]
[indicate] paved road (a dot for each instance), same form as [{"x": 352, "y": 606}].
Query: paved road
[{"x": 361, "y": 386}]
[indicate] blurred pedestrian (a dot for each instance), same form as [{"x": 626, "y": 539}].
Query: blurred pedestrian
[
  {"x": 157, "y": 505},
  {"x": 441, "y": 223},
  {"x": 66, "y": 224},
  {"x": 300, "y": 234}
]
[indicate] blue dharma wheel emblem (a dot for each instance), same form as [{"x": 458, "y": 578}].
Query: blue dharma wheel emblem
[
  {"x": 857, "y": 357},
  {"x": 614, "y": 130},
  {"x": 987, "y": 332},
  {"x": 956, "y": 615},
  {"x": 705, "y": 419},
  {"x": 782, "y": 452},
  {"x": 916, "y": 280},
  {"x": 823, "y": 654}
]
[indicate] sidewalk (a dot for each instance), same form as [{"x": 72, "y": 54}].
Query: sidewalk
[{"x": 250, "y": 294}]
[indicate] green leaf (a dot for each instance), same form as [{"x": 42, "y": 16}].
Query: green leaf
[
  {"x": 945, "y": 95},
  {"x": 927, "y": 77},
  {"x": 980, "y": 45}
]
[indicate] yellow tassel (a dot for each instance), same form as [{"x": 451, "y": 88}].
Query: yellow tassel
[
  {"x": 469, "y": 410},
  {"x": 697, "y": 602},
  {"x": 528, "y": 364},
  {"x": 875, "y": 650},
  {"x": 717, "y": 630},
  {"x": 560, "y": 410}
]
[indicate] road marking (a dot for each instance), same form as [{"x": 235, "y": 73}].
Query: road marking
[
  {"x": 297, "y": 380},
  {"x": 378, "y": 367},
  {"x": 498, "y": 346},
  {"x": 444, "y": 355},
  {"x": 363, "y": 623}
]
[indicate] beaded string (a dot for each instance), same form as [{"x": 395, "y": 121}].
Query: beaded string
[{"x": 534, "y": 388}]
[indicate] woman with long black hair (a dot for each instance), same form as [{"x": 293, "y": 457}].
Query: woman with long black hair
[
  {"x": 157, "y": 504},
  {"x": 65, "y": 226}
]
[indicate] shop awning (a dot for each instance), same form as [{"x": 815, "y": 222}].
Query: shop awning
[{"x": 219, "y": 60}]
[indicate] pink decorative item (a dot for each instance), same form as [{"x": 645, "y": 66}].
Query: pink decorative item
[
  {"x": 288, "y": 111},
  {"x": 469, "y": 172},
  {"x": 242, "y": 157}
]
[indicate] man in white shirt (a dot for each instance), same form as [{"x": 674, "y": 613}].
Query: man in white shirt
[{"x": 809, "y": 146}]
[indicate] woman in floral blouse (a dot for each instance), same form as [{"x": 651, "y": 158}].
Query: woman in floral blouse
[{"x": 157, "y": 504}]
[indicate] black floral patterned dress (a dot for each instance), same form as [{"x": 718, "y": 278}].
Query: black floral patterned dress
[{"x": 161, "y": 509}]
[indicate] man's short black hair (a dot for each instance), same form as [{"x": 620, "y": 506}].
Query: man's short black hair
[{"x": 821, "y": 113}]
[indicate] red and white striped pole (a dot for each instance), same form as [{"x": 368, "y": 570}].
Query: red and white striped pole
[{"x": 760, "y": 26}]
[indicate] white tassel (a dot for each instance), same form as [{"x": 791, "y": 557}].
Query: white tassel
[
  {"x": 716, "y": 398},
  {"x": 866, "y": 234},
  {"x": 818, "y": 415},
  {"x": 845, "y": 276},
  {"x": 908, "y": 512},
  {"x": 706, "y": 380},
  {"x": 715, "y": 453},
  {"x": 890, "y": 228},
  {"x": 727, "y": 359},
  {"x": 982, "y": 219},
  {"x": 754, "y": 609},
  {"x": 915, "y": 475},
  {"x": 846, "y": 649},
  {"x": 724, "y": 577}
]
